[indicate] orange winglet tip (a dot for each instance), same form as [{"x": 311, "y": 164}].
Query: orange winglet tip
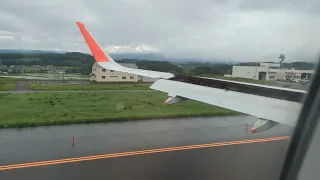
[
  {"x": 165, "y": 103},
  {"x": 95, "y": 49},
  {"x": 80, "y": 23}
]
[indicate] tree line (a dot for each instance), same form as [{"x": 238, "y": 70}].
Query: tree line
[
  {"x": 66, "y": 59},
  {"x": 82, "y": 63}
]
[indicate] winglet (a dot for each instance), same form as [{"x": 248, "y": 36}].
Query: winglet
[
  {"x": 95, "y": 49},
  {"x": 106, "y": 61}
]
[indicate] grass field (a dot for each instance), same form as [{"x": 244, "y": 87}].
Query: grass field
[
  {"x": 48, "y": 76},
  {"x": 34, "y": 109},
  {"x": 6, "y": 84},
  {"x": 74, "y": 87}
]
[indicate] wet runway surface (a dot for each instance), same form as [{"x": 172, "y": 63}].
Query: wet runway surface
[{"x": 249, "y": 161}]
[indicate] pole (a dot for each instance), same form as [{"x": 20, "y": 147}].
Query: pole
[{"x": 73, "y": 140}]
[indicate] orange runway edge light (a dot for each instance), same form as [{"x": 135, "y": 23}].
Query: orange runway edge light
[{"x": 141, "y": 152}]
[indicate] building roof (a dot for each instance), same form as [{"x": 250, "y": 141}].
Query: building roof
[{"x": 128, "y": 65}]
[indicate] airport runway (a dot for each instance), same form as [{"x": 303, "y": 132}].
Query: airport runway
[{"x": 204, "y": 148}]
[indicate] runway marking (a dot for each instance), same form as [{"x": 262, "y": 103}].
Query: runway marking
[{"x": 132, "y": 153}]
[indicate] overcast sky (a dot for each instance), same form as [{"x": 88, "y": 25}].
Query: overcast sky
[{"x": 243, "y": 30}]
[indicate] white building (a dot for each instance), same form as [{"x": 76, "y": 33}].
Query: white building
[
  {"x": 284, "y": 74},
  {"x": 100, "y": 74},
  {"x": 269, "y": 71}
]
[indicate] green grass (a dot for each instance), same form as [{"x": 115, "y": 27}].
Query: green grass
[
  {"x": 74, "y": 87},
  {"x": 36, "y": 109},
  {"x": 6, "y": 84}
]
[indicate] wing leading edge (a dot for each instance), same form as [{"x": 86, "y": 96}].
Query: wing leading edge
[{"x": 269, "y": 110}]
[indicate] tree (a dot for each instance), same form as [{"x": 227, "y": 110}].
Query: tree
[{"x": 281, "y": 57}]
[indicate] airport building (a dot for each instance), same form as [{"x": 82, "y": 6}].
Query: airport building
[
  {"x": 270, "y": 71},
  {"x": 100, "y": 74}
]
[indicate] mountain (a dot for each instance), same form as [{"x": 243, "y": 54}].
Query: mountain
[
  {"x": 28, "y": 51},
  {"x": 120, "y": 56},
  {"x": 201, "y": 60},
  {"x": 141, "y": 56}
]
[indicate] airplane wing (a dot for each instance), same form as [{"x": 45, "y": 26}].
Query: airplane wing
[{"x": 270, "y": 104}]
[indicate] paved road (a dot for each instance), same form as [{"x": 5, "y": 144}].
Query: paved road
[
  {"x": 254, "y": 160},
  {"x": 41, "y": 91},
  {"x": 22, "y": 86},
  {"x": 291, "y": 85}
]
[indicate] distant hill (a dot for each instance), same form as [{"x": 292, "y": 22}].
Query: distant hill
[
  {"x": 119, "y": 56},
  {"x": 80, "y": 60},
  {"x": 141, "y": 56},
  {"x": 151, "y": 61},
  {"x": 72, "y": 59},
  {"x": 26, "y": 51},
  {"x": 299, "y": 65},
  {"x": 200, "y": 60},
  {"x": 249, "y": 64}
]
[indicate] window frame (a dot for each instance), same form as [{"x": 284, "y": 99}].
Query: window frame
[{"x": 305, "y": 128}]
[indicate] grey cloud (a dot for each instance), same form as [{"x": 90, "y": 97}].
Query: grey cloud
[
  {"x": 310, "y": 6},
  {"x": 232, "y": 30}
]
